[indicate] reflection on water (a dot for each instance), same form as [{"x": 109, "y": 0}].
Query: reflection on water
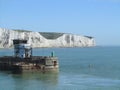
[
  {"x": 33, "y": 81},
  {"x": 48, "y": 77}
]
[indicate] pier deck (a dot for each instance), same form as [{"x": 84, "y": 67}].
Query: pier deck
[{"x": 35, "y": 63}]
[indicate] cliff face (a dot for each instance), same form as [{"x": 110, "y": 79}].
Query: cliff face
[{"x": 37, "y": 39}]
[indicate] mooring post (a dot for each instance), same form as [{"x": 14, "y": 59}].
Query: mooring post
[{"x": 52, "y": 54}]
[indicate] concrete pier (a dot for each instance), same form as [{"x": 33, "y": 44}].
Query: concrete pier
[
  {"x": 24, "y": 61},
  {"x": 33, "y": 64}
]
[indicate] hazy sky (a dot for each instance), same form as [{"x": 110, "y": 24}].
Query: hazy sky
[{"x": 97, "y": 18}]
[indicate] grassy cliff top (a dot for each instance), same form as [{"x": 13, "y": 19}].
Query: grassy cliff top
[
  {"x": 47, "y": 35},
  {"x": 51, "y": 35},
  {"x": 21, "y": 30}
]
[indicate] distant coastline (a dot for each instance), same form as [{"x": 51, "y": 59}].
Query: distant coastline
[{"x": 45, "y": 39}]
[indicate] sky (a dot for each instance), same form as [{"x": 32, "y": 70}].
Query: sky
[{"x": 97, "y": 18}]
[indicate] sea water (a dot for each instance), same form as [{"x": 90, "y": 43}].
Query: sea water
[{"x": 95, "y": 68}]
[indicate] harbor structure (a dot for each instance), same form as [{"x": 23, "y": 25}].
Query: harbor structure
[{"x": 24, "y": 61}]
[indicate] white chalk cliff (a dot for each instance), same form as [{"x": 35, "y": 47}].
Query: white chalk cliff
[{"x": 36, "y": 39}]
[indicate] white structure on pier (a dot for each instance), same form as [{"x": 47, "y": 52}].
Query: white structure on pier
[{"x": 22, "y": 49}]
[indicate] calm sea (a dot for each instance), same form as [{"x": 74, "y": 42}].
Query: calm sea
[{"x": 96, "y": 68}]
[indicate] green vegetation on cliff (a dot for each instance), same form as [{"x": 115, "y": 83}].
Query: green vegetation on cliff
[
  {"x": 47, "y": 35},
  {"x": 51, "y": 35},
  {"x": 21, "y": 30}
]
